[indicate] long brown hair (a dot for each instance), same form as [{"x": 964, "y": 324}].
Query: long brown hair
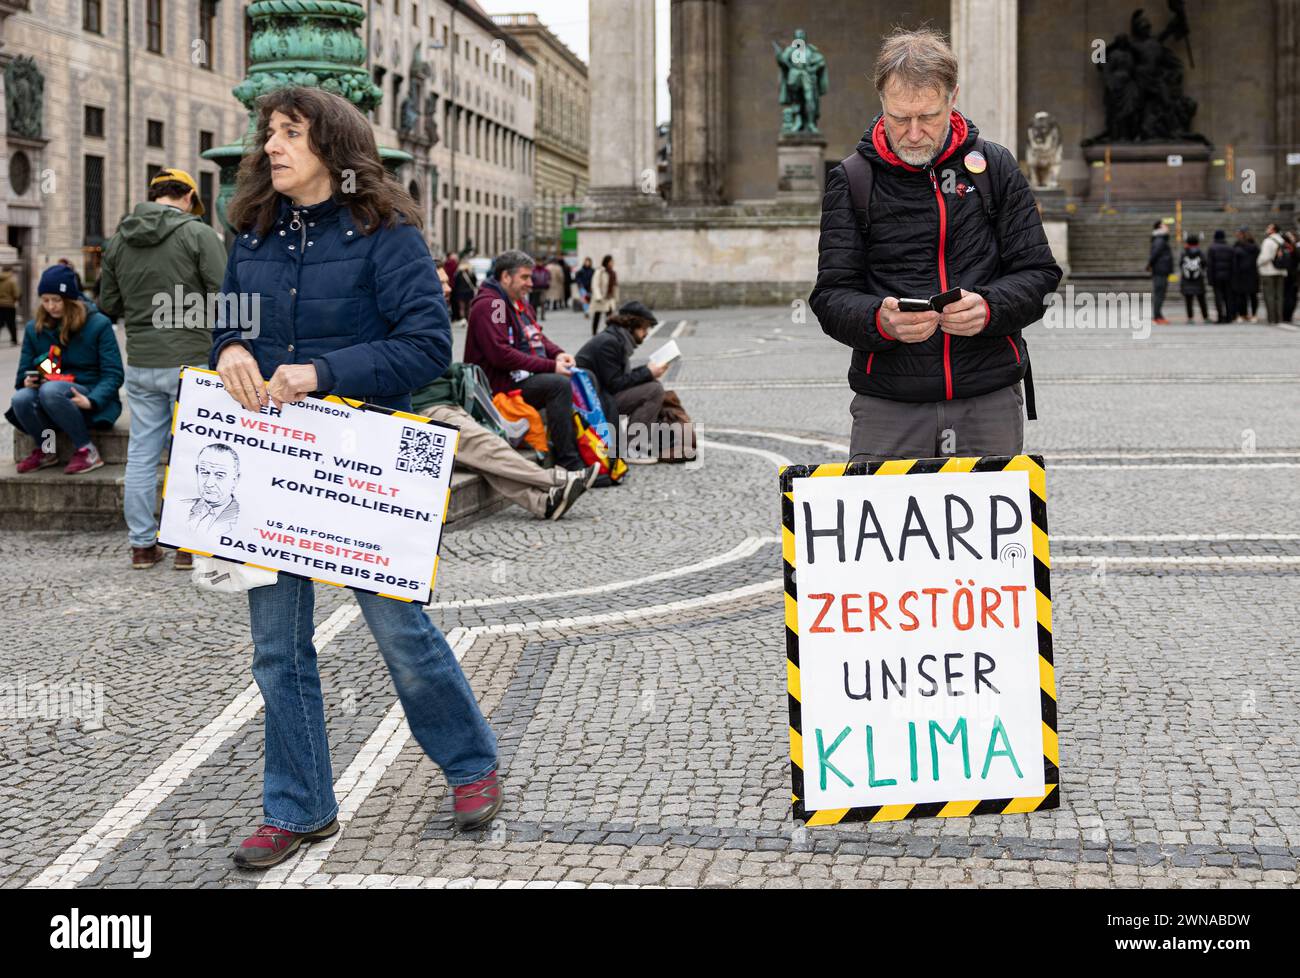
[
  {"x": 341, "y": 137},
  {"x": 71, "y": 323}
]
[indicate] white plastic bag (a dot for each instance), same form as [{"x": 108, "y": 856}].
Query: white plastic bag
[{"x": 227, "y": 577}]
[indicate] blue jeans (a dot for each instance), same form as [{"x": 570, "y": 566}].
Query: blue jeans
[
  {"x": 298, "y": 787},
  {"x": 50, "y": 406},
  {"x": 151, "y": 393}
]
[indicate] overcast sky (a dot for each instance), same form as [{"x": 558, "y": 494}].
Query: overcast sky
[{"x": 567, "y": 19}]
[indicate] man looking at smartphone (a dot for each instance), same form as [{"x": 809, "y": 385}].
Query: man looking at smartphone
[{"x": 927, "y": 210}]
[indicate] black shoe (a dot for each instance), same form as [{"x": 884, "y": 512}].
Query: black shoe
[
  {"x": 590, "y": 474},
  {"x": 605, "y": 482},
  {"x": 560, "y": 499}
]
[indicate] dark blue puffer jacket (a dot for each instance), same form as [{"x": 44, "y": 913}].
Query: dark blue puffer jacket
[{"x": 367, "y": 310}]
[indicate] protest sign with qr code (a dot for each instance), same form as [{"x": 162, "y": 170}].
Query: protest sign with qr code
[{"x": 335, "y": 490}]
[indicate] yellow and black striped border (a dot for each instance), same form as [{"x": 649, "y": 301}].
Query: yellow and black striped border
[
  {"x": 331, "y": 399},
  {"x": 1032, "y": 465}
]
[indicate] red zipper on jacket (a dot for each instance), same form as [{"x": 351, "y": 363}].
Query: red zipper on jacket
[
  {"x": 957, "y": 139},
  {"x": 943, "y": 283},
  {"x": 1013, "y": 348}
]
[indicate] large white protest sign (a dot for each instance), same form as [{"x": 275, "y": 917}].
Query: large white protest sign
[
  {"x": 918, "y": 613},
  {"x": 335, "y": 490}
]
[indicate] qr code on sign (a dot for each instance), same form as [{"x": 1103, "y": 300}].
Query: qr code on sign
[{"x": 421, "y": 451}]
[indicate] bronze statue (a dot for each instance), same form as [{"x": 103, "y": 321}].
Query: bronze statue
[
  {"x": 803, "y": 83},
  {"x": 1143, "y": 84}
]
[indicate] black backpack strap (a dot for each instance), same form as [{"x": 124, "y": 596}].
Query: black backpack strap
[
  {"x": 858, "y": 170},
  {"x": 984, "y": 184},
  {"x": 1031, "y": 408}
]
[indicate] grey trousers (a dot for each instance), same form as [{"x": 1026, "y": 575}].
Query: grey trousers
[
  {"x": 523, "y": 482},
  {"x": 641, "y": 403},
  {"x": 991, "y": 424}
]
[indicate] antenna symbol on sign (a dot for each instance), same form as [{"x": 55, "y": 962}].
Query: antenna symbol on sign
[{"x": 1011, "y": 553}]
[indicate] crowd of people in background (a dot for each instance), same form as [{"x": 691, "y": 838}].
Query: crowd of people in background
[
  {"x": 164, "y": 242},
  {"x": 555, "y": 284},
  {"x": 1235, "y": 274}
]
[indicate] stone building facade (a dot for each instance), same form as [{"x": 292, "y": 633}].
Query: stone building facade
[
  {"x": 722, "y": 236},
  {"x": 471, "y": 119},
  {"x": 106, "y": 92},
  {"x": 124, "y": 90},
  {"x": 563, "y": 114},
  {"x": 1017, "y": 57}
]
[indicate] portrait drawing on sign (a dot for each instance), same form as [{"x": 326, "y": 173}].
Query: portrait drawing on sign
[{"x": 216, "y": 472}]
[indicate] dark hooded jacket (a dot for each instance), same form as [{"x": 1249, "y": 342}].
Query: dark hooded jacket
[
  {"x": 607, "y": 356},
  {"x": 1160, "y": 261},
  {"x": 926, "y": 233},
  {"x": 1220, "y": 265},
  {"x": 161, "y": 251},
  {"x": 1245, "y": 273}
]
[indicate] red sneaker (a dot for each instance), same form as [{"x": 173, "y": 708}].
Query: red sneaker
[
  {"x": 84, "y": 460},
  {"x": 269, "y": 845},
  {"x": 478, "y": 803},
  {"x": 38, "y": 460}
]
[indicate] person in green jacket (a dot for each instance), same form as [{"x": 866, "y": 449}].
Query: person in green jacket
[
  {"x": 69, "y": 372},
  {"x": 158, "y": 273}
]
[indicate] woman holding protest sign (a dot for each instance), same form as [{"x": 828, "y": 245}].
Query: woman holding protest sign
[{"x": 350, "y": 304}]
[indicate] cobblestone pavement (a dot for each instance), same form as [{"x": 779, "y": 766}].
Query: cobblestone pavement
[{"x": 641, "y": 713}]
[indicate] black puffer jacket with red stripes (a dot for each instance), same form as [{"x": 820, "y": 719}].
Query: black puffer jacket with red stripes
[{"x": 928, "y": 233}]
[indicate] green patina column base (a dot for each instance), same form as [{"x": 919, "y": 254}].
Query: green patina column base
[{"x": 313, "y": 43}]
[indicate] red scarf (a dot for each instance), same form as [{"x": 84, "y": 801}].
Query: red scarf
[{"x": 532, "y": 332}]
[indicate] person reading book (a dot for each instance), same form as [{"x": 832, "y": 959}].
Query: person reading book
[{"x": 633, "y": 395}]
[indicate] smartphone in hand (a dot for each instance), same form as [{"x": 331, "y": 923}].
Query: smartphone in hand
[{"x": 937, "y": 302}]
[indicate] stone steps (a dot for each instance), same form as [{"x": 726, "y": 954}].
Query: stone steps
[
  {"x": 111, "y": 445},
  {"x": 50, "y": 500},
  {"x": 1118, "y": 244},
  {"x": 1111, "y": 282}
]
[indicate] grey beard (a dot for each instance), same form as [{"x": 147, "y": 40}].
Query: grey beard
[{"x": 918, "y": 159}]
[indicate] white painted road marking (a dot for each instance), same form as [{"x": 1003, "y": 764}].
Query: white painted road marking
[
  {"x": 748, "y": 547},
  {"x": 388, "y": 739},
  {"x": 84, "y": 856}
]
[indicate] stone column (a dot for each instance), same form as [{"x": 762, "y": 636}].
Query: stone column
[
  {"x": 984, "y": 39},
  {"x": 696, "y": 86},
  {"x": 1287, "y": 39},
  {"x": 622, "y": 78}
]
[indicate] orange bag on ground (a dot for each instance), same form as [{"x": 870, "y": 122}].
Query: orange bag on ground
[{"x": 513, "y": 407}]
